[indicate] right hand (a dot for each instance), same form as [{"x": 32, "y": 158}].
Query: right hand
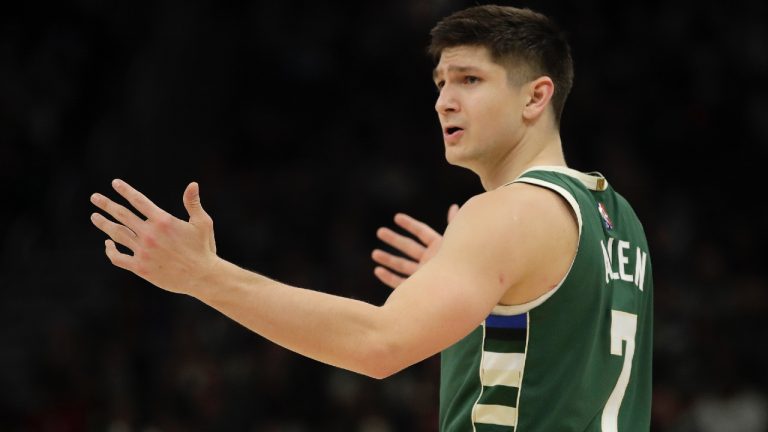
[
  {"x": 168, "y": 252},
  {"x": 392, "y": 268}
]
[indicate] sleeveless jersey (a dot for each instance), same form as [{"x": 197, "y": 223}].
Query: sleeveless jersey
[{"x": 577, "y": 358}]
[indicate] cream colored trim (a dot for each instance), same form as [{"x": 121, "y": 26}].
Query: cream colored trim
[
  {"x": 522, "y": 371},
  {"x": 501, "y": 377},
  {"x": 496, "y": 415},
  {"x": 473, "y": 413},
  {"x": 501, "y": 369},
  {"x": 503, "y": 361},
  {"x": 525, "y": 307},
  {"x": 592, "y": 182}
]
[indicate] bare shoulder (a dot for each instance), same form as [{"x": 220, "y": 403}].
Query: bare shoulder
[
  {"x": 515, "y": 204},
  {"x": 524, "y": 234},
  {"x": 541, "y": 203}
]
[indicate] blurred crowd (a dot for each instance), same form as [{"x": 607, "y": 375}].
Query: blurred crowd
[{"x": 308, "y": 125}]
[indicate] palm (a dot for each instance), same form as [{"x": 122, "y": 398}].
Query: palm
[{"x": 394, "y": 269}]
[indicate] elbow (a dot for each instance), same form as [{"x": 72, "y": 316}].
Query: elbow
[
  {"x": 378, "y": 369},
  {"x": 382, "y": 372},
  {"x": 382, "y": 360},
  {"x": 378, "y": 374}
]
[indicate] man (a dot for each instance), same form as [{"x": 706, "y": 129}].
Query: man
[{"x": 539, "y": 295}]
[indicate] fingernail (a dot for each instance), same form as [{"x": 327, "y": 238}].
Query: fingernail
[
  {"x": 116, "y": 183},
  {"x": 95, "y": 197}
]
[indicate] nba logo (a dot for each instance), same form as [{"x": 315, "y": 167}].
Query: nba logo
[{"x": 604, "y": 214}]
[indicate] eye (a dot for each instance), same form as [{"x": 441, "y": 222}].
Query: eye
[
  {"x": 470, "y": 79},
  {"x": 439, "y": 85}
]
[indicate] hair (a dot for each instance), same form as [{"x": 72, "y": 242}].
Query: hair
[{"x": 518, "y": 39}]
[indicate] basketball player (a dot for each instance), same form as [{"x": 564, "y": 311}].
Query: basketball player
[{"x": 539, "y": 294}]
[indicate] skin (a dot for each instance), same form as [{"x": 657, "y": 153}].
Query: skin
[{"x": 508, "y": 245}]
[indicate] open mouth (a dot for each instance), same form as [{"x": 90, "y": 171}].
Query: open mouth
[{"x": 452, "y": 130}]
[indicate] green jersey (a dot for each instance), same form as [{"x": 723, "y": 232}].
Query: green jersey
[{"x": 577, "y": 358}]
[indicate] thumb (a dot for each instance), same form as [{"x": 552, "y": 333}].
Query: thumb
[
  {"x": 452, "y": 210},
  {"x": 192, "y": 202}
]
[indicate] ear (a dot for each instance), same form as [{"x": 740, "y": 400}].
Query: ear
[{"x": 539, "y": 93}]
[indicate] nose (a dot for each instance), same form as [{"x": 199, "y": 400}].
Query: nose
[{"x": 446, "y": 102}]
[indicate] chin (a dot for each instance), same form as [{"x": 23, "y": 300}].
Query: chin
[{"x": 456, "y": 157}]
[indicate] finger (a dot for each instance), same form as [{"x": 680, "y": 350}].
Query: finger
[
  {"x": 404, "y": 244},
  {"x": 452, "y": 210},
  {"x": 117, "y": 211},
  {"x": 390, "y": 279},
  {"x": 197, "y": 215},
  {"x": 116, "y": 232},
  {"x": 212, "y": 242},
  {"x": 421, "y": 230},
  {"x": 118, "y": 258},
  {"x": 193, "y": 205},
  {"x": 396, "y": 263},
  {"x": 137, "y": 199}
]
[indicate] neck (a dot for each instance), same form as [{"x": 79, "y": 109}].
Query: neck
[{"x": 530, "y": 151}]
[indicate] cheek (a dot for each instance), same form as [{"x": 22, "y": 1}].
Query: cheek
[{"x": 500, "y": 115}]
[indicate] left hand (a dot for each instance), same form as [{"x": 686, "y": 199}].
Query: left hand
[
  {"x": 392, "y": 266},
  {"x": 168, "y": 252}
]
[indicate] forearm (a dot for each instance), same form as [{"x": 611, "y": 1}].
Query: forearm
[
  {"x": 430, "y": 310},
  {"x": 335, "y": 330}
]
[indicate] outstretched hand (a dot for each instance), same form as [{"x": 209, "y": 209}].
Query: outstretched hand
[
  {"x": 168, "y": 252},
  {"x": 393, "y": 269}
]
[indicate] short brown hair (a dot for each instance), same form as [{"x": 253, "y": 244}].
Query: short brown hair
[{"x": 514, "y": 37}]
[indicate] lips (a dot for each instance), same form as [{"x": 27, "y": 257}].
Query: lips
[{"x": 452, "y": 134}]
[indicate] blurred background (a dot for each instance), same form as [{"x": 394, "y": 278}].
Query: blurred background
[{"x": 308, "y": 125}]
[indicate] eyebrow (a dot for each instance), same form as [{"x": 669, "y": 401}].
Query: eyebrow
[{"x": 456, "y": 69}]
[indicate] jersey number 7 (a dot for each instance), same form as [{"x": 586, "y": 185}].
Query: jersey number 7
[{"x": 623, "y": 328}]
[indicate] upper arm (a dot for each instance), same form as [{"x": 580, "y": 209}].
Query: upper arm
[{"x": 497, "y": 243}]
